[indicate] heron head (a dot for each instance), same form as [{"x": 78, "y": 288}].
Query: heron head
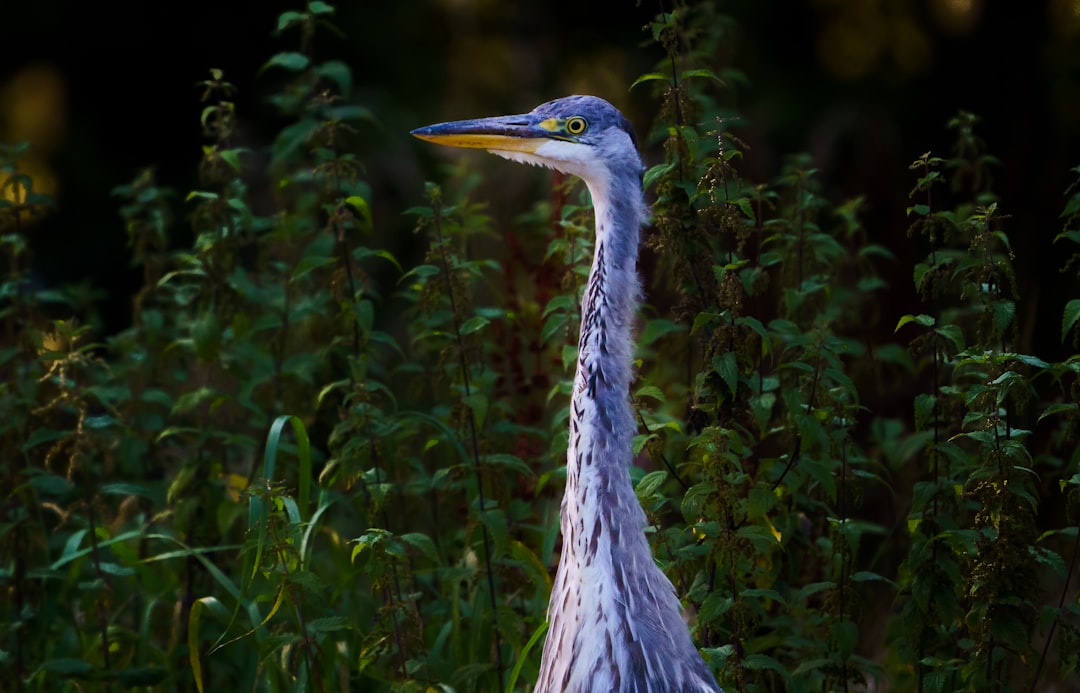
[{"x": 584, "y": 136}]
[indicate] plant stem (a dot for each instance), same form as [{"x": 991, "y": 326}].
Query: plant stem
[{"x": 474, "y": 437}]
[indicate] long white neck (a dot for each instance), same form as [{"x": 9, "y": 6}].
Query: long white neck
[
  {"x": 601, "y": 420},
  {"x": 614, "y": 620}
]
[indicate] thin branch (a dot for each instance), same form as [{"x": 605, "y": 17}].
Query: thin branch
[{"x": 474, "y": 437}]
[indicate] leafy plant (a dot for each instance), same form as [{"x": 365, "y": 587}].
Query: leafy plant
[{"x": 312, "y": 463}]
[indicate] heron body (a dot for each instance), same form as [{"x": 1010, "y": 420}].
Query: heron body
[{"x": 615, "y": 622}]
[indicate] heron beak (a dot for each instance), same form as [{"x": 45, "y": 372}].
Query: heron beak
[{"x": 517, "y": 133}]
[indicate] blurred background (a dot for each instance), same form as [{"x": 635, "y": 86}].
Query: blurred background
[{"x": 103, "y": 90}]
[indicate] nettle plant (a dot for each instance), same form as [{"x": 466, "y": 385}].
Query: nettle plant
[
  {"x": 309, "y": 465},
  {"x": 973, "y": 614},
  {"x": 768, "y": 279}
]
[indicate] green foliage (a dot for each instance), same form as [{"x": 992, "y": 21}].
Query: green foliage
[{"x": 311, "y": 465}]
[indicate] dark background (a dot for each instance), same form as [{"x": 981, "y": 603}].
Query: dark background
[{"x": 105, "y": 89}]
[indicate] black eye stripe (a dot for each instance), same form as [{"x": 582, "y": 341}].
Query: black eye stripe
[{"x": 575, "y": 125}]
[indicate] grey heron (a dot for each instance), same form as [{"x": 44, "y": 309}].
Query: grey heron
[{"x": 615, "y": 621}]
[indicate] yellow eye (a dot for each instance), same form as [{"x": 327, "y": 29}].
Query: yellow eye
[{"x": 576, "y": 125}]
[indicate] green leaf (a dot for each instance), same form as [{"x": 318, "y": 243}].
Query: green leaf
[
  {"x": 648, "y": 77},
  {"x": 1069, "y": 317},
  {"x": 422, "y": 542},
  {"x": 362, "y": 253},
  {"x": 727, "y": 367},
  {"x": 569, "y": 356},
  {"x": 51, "y": 485},
  {"x": 868, "y": 576},
  {"x": 845, "y": 636},
  {"x": 502, "y": 459},
  {"x": 807, "y": 591},
  {"x": 330, "y": 624},
  {"x": 762, "y": 539},
  {"x": 1058, "y": 408},
  {"x": 194, "y": 651},
  {"x": 422, "y": 272},
  {"x": 924, "y": 320},
  {"x": 809, "y": 665},
  {"x": 478, "y": 404},
  {"x": 695, "y": 498},
  {"x": 1029, "y": 360},
  {"x": 746, "y": 206},
  {"x": 762, "y": 661},
  {"x": 767, "y": 594},
  {"x": 715, "y": 606},
  {"x": 562, "y": 302},
  {"x": 303, "y": 455},
  {"x": 1049, "y": 558},
  {"x": 337, "y": 72},
  {"x": 1020, "y": 492},
  {"x": 655, "y": 173},
  {"x": 150, "y": 492},
  {"x": 1004, "y": 314},
  {"x": 707, "y": 74},
  {"x": 762, "y": 407},
  {"x": 822, "y": 472},
  {"x": 937, "y": 680},
  {"x": 954, "y": 334},
  {"x": 650, "y": 484},
  {"x": 759, "y": 502},
  {"x": 8, "y": 354},
  {"x": 703, "y": 319},
  {"x": 495, "y": 521},
  {"x": 652, "y": 392},
  {"x": 553, "y": 325},
  {"x": 639, "y": 441},
  {"x": 655, "y": 329},
  {"x": 289, "y": 60},
  {"x": 188, "y": 401},
  {"x": 515, "y": 673},
  {"x": 319, "y": 7},
  {"x": 284, "y": 20},
  {"x": 474, "y": 324},
  {"x": 232, "y": 157},
  {"x": 66, "y": 666},
  {"x": 110, "y": 568},
  {"x": 43, "y": 435},
  {"x": 1071, "y": 207},
  {"x": 294, "y": 138}
]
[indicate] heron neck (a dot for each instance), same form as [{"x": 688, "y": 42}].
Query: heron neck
[{"x": 601, "y": 419}]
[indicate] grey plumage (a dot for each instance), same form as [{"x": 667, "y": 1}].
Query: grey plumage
[{"x": 615, "y": 622}]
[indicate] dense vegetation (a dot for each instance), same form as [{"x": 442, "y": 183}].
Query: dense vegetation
[{"x": 309, "y": 466}]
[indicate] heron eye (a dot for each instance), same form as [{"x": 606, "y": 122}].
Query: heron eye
[{"x": 576, "y": 125}]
